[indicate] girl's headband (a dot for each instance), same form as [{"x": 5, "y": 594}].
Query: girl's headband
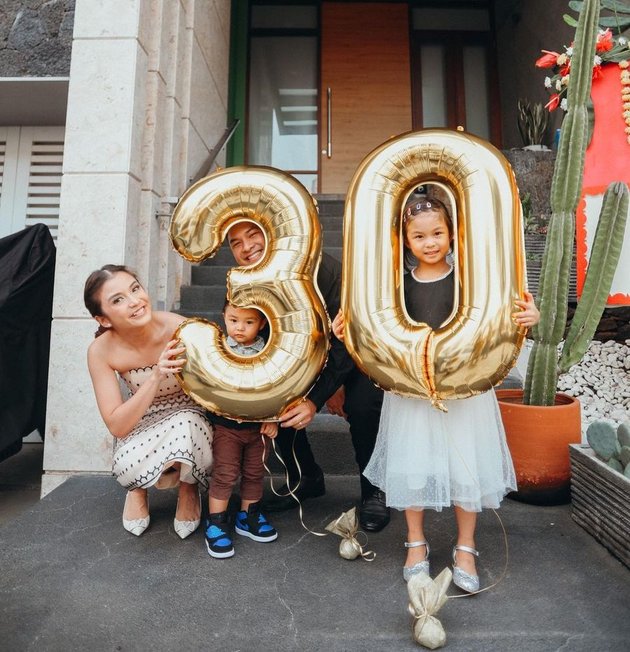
[{"x": 424, "y": 205}]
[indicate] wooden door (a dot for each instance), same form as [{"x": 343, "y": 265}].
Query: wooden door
[{"x": 365, "y": 72}]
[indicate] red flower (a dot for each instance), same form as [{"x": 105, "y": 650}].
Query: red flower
[
  {"x": 604, "y": 41},
  {"x": 548, "y": 60},
  {"x": 597, "y": 72},
  {"x": 566, "y": 69},
  {"x": 553, "y": 103}
]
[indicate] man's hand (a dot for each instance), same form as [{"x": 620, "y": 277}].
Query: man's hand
[
  {"x": 299, "y": 416},
  {"x": 336, "y": 401}
]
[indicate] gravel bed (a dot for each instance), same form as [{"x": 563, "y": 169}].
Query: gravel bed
[{"x": 601, "y": 382}]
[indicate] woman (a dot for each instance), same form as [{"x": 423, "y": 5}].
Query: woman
[{"x": 162, "y": 436}]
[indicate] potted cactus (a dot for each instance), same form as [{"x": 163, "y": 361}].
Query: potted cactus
[
  {"x": 600, "y": 486},
  {"x": 540, "y": 423}
]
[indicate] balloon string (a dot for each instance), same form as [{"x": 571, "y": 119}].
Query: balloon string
[
  {"x": 288, "y": 481},
  {"x": 505, "y": 539},
  {"x": 367, "y": 555},
  {"x": 503, "y": 572}
]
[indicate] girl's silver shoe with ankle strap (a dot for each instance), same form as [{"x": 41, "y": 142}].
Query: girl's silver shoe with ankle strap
[
  {"x": 421, "y": 566},
  {"x": 462, "y": 579}
]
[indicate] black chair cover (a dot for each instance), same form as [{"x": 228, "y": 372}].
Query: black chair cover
[{"x": 27, "y": 268}]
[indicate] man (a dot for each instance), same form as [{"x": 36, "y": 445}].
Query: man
[{"x": 361, "y": 404}]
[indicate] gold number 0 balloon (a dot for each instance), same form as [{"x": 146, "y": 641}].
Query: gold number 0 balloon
[
  {"x": 477, "y": 347},
  {"x": 280, "y": 284}
]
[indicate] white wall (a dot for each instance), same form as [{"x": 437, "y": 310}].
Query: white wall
[{"x": 147, "y": 100}]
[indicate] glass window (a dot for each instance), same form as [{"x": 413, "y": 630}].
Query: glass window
[
  {"x": 433, "y": 86},
  {"x": 476, "y": 91},
  {"x": 284, "y": 17},
  {"x": 451, "y": 19},
  {"x": 283, "y": 103}
]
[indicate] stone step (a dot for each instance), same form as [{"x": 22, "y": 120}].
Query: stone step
[
  {"x": 203, "y": 297},
  {"x": 330, "y": 206},
  {"x": 211, "y": 315},
  {"x": 332, "y": 238},
  {"x": 209, "y": 274}
]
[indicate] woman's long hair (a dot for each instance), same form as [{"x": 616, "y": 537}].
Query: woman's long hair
[{"x": 93, "y": 285}]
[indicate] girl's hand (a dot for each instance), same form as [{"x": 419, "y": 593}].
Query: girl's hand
[
  {"x": 169, "y": 362},
  {"x": 337, "y": 326},
  {"x": 269, "y": 428},
  {"x": 528, "y": 314}
]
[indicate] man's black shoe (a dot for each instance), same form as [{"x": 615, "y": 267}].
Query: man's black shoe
[
  {"x": 374, "y": 513},
  {"x": 308, "y": 487}
]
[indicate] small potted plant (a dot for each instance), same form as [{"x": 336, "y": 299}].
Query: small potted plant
[
  {"x": 540, "y": 423},
  {"x": 533, "y": 120},
  {"x": 600, "y": 486}
]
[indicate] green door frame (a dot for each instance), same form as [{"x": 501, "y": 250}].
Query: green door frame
[{"x": 237, "y": 90}]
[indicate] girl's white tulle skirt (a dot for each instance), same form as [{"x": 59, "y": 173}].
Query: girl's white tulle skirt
[{"x": 425, "y": 458}]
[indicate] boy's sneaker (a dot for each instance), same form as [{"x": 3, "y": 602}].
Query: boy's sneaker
[
  {"x": 254, "y": 525},
  {"x": 218, "y": 541}
]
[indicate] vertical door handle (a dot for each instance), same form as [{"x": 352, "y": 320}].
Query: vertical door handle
[{"x": 329, "y": 125}]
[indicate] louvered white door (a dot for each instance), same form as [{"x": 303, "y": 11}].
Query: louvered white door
[{"x": 31, "y": 160}]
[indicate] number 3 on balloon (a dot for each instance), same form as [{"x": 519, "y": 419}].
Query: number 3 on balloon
[
  {"x": 475, "y": 349},
  {"x": 280, "y": 284}
]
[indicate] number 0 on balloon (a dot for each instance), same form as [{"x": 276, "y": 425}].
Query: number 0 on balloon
[{"x": 477, "y": 346}]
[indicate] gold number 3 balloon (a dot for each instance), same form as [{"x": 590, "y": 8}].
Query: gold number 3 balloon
[
  {"x": 280, "y": 284},
  {"x": 476, "y": 348}
]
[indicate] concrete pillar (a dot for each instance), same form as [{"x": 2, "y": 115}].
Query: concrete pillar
[{"x": 147, "y": 101}]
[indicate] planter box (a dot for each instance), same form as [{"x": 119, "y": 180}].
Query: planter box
[{"x": 601, "y": 501}]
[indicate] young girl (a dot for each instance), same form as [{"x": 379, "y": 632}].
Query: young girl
[
  {"x": 425, "y": 458},
  {"x": 239, "y": 450},
  {"x": 162, "y": 436}
]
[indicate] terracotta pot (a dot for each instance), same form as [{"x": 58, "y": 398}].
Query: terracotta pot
[{"x": 538, "y": 439}]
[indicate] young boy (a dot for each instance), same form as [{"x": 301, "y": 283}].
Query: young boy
[{"x": 238, "y": 448}]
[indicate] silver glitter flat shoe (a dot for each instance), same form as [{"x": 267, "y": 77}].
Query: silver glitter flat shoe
[
  {"x": 462, "y": 579},
  {"x": 421, "y": 566}
]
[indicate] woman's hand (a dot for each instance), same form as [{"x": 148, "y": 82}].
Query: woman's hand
[
  {"x": 270, "y": 429},
  {"x": 338, "y": 325},
  {"x": 169, "y": 361},
  {"x": 528, "y": 314}
]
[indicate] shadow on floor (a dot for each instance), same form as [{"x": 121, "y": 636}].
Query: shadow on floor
[{"x": 20, "y": 481}]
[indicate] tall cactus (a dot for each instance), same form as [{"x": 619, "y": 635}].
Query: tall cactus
[{"x": 544, "y": 366}]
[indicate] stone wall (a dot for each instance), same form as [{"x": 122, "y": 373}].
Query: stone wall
[
  {"x": 36, "y": 37},
  {"x": 533, "y": 171}
]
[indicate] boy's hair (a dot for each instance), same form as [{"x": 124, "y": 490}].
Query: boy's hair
[{"x": 227, "y": 303}]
